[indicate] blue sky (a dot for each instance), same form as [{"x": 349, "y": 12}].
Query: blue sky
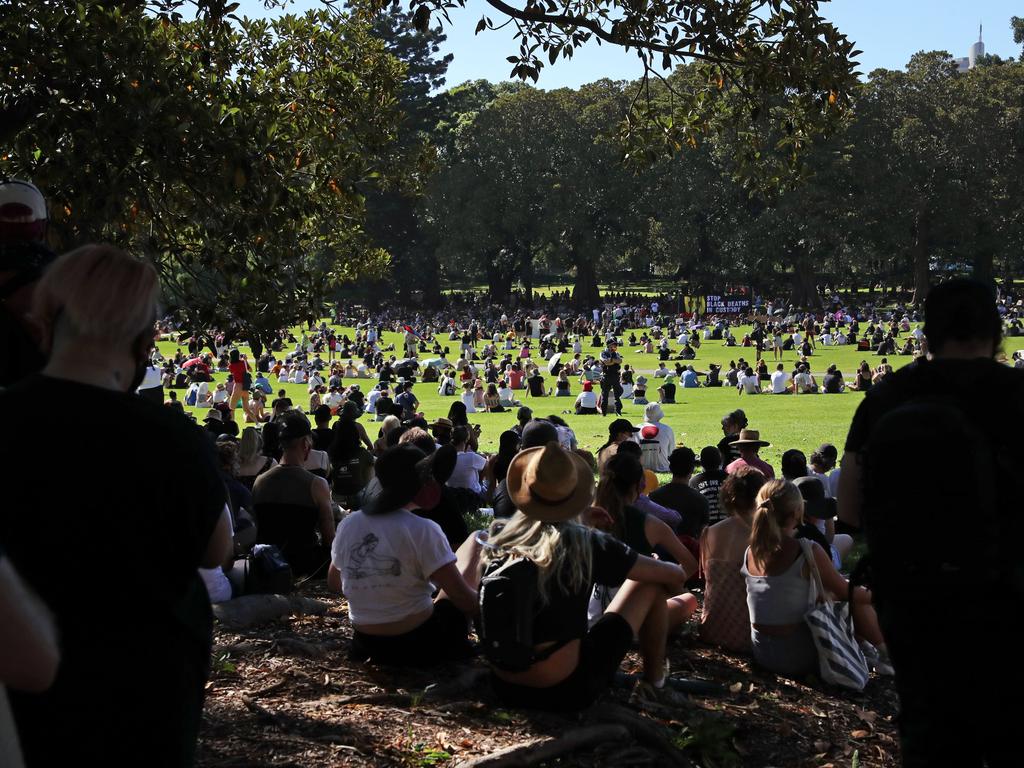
[{"x": 888, "y": 32}]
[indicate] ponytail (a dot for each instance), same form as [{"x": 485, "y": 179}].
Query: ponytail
[{"x": 777, "y": 502}]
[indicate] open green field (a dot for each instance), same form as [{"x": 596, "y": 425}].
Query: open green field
[{"x": 802, "y": 422}]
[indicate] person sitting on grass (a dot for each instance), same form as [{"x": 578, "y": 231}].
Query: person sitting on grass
[
  {"x": 492, "y": 400},
  {"x": 614, "y": 512},
  {"x": 863, "y": 381},
  {"x": 779, "y": 583},
  {"x": 640, "y": 391},
  {"x": 506, "y": 396},
  {"x": 748, "y": 444},
  {"x": 586, "y": 403},
  {"x": 749, "y": 383},
  {"x": 292, "y": 505},
  {"x": 386, "y": 561},
  {"x": 535, "y": 386},
  {"x": 667, "y": 391},
  {"x": 804, "y": 382},
  {"x": 619, "y": 431},
  {"x": 572, "y": 665},
  {"x": 562, "y": 385},
  {"x": 724, "y": 619},
  {"x": 781, "y": 383},
  {"x": 678, "y": 495}
]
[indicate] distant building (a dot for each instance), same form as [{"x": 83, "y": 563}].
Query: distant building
[{"x": 977, "y": 51}]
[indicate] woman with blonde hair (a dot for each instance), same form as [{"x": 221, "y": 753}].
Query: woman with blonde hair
[
  {"x": 779, "y": 583},
  {"x": 569, "y": 666},
  {"x": 390, "y": 423},
  {"x": 251, "y": 461}
]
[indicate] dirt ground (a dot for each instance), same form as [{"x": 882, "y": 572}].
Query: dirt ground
[{"x": 284, "y": 694}]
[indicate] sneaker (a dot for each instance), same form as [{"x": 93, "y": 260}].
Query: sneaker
[
  {"x": 877, "y": 660},
  {"x": 645, "y": 692}
]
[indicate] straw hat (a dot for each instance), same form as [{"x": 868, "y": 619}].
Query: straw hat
[
  {"x": 550, "y": 484},
  {"x": 751, "y": 437}
]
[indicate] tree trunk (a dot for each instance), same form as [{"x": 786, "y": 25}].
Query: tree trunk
[
  {"x": 499, "y": 283},
  {"x": 431, "y": 280},
  {"x": 984, "y": 254},
  {"x": 922, "y": 274},
  {"x": 805, "y": 290},
  {"x": 585, "y": 293},
  {"x": 526, "y": 276}
]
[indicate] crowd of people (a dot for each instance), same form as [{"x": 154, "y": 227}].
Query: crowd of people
[{"x": 162, "y": 517}]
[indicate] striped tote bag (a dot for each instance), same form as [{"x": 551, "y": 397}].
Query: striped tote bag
[{"x": 840, "y": 659}]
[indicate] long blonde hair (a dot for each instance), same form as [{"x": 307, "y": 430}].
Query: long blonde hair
[
  {"x": 777, "y": 502},
  {"x": 551, "y": 547}
]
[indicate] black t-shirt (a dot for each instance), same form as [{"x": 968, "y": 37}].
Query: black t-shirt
[
  {"x": 113, "y": 550},
  {"x": 729, "y": 451},
  {"x": 707, "y": 484},
  {"x": 322, "y": 438},
  {"x": 564, "y": 616},
  {"x": 691, "y": 505},
  {"x": 536, "y": 384},
  {"x": 669, "y": 390},
  {"x": 831, "y": 383}
]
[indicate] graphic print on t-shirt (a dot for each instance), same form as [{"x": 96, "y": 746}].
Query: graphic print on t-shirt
[{"x": 364, "y": 563}]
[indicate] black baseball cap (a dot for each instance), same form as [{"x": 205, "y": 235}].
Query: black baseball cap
[{"x": 621, "y": 425}]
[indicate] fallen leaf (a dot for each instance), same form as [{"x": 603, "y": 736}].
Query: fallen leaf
[
  {"x": 867, "y": 715},
  {"x": 751, "y": 689},
  {"x": 860, "y": 734},
  {"x": 817, "y": 712},
  {"x": 736, "y": 687}
]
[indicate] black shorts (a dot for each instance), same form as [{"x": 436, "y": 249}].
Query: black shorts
[
  {"x": 601, "y": 652},
  {"x": 441, "y": 638}
]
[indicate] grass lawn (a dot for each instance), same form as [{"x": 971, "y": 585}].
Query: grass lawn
[{"x": 802, "y": 422}]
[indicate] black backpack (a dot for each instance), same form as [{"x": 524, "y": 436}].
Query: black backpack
[
  {"x": 509, "y": 602},
  {"x": 268, "y": 572},
  {"x": 930, "y": 473}
]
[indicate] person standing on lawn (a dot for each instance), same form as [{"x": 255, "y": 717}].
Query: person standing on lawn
[{"x": 611, "y": 363}]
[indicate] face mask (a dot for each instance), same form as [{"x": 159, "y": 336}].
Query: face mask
[{"x": 141, "y": 349}]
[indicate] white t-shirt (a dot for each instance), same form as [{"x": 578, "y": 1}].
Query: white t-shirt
[
  {"x": 780, "y": 382},
  {"x": 587, "y": 400},
  {"x": 371, "y": 401},
  {"x": 386, "y": 562},
  {"x": 803, "y": 382},
  {"x": 317, "y": 460},
  {"x": 468, "y": 466},
  {"x": 751, "y": 384},
  {"x": 467, "y": 400}
]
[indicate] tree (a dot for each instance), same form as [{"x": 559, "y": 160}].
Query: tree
[
  {"x": 232, "y": 156},
  {"x": 392, "y": 220},
  {"x": 765, "y": 52}
]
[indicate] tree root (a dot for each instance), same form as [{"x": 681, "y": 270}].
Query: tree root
[
  {"x": 248, "y": 610},
  {"x": 643, "y": 730},
  {"x": 537, "y": 751}
]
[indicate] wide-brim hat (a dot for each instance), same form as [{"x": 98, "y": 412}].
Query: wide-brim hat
[
  {"x": 443, "y": 423},
  {"x": 214, "y": 415},
  {"x": 751, "y": 437},
  {"x": 550, "y": 484}
]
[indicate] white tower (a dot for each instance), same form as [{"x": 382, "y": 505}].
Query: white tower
[{"x": 977, "y": 51}]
